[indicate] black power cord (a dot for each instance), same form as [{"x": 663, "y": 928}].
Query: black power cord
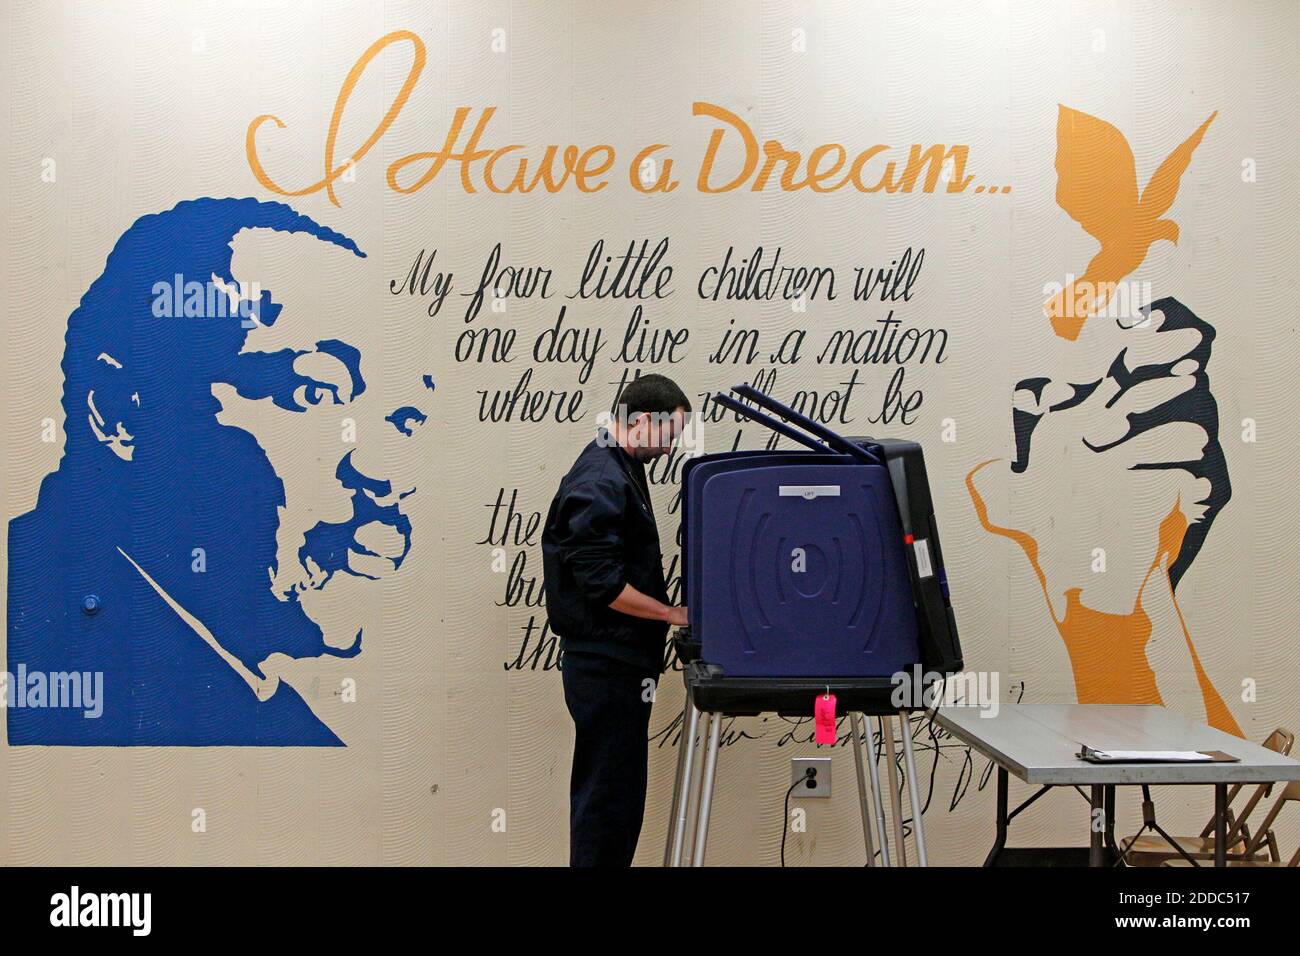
[{"x": 808, "y": 774}]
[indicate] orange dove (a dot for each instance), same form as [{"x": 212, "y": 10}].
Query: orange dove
[{"x": 1097, "y": 185}]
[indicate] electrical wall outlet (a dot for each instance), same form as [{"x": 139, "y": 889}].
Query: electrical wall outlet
[{"x": 819, "y": 785}]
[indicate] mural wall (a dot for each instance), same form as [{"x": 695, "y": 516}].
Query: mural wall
[{"x": 310, "y": 307}]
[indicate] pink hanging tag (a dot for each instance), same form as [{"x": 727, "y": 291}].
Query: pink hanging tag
[{"x": 824, "y": 715}]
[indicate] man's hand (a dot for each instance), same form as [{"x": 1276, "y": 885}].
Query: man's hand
[{"x": 634, "y": 603}]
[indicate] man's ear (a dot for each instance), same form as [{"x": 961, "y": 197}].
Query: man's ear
[
  {"x": 639, "y": 428},
  {"x": 112, "y": 407}
]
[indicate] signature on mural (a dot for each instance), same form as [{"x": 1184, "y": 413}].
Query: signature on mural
[
  {"x": 1126, "y": 453},
  {"x": 164, "y": 553}
]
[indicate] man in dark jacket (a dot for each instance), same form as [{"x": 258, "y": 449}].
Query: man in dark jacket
[{"x": 607, "y": 600}]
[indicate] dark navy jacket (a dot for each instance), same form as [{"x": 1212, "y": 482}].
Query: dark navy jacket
[{"x": 600, "y": 534}]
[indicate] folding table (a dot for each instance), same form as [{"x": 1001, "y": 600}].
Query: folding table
[{"x": 1039, "y": 743}]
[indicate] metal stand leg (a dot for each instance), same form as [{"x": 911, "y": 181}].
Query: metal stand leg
[
  {"x": 895, "y": 799},
  {"x": 913, "y": 788},
  {"x": 855, "y": 719},
  {"x": 1221, "y": 824},
  {"x": 706, "y": 789},
  {"x": 1111, "y": 847},
  {"x": 877, "y": 799},
  {"x": 1001, "y": 839},
  {"x": 1097, "y": 846},
  {"x": 682, "y": 784},
  {"x": 692, "y": 795}
]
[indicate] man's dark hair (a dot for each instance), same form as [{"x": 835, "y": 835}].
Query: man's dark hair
[{"x": 653, "y": 393}]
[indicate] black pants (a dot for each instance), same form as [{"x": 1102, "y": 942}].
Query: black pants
[{"x": 609, "y": 702}]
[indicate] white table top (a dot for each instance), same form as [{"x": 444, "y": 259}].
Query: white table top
[{"x": 1038, "y": 743}]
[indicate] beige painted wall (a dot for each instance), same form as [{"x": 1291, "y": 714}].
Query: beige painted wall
[{"x": 142, "y": 105}]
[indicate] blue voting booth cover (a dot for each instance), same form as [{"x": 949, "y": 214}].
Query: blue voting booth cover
[{"x": 796, "y": 567}]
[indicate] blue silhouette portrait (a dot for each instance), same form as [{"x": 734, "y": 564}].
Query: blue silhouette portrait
[{"x": 156, "y": 554}]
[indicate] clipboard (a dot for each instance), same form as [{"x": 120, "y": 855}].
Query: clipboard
[{"x": 1093, "y": 755}]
